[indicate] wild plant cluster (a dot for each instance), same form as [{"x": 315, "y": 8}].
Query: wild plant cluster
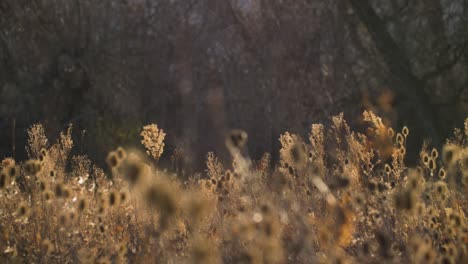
[{"x": 338, "y": 197}]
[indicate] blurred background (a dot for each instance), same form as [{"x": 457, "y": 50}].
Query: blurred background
[{"x": 199, "y": 68}]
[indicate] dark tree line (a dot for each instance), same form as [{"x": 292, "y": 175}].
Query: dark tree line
[{"x": 199, "y": 68}]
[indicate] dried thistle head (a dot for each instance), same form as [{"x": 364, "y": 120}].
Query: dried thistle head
[
  {"x": 434, "y": 153},
  {"x": 236, "y": 138},
  {"x": 405, "y": 131},
  {"x": 400, "y": 139},
  {"x": 449, "y": 154},
  {"x": 112, "y": 160},
  {"x": 11, "y": 171},
  {"x": 121, "y": 153},
  {"x": 33, "y": 167},
  {"x": 442, "y": 174},
  {"x": 134, "y": 170},
  {"x": 441, "y": 190},
  {"x": 7, "y": 162},
  {"x": 114, "y": 198},
  {"x": 153, "y": 140}
]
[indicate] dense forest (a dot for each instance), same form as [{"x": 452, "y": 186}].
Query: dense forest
[{"x": 200, "y": 68}]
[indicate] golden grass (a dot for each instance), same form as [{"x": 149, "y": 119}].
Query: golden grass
[{"x": 340, "y": 197}]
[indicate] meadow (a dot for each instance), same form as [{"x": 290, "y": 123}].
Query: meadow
[{"x": 337, "y": 196}]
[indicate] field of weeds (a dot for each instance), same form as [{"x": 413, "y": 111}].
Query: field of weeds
[{"x": 336, "y": 197}]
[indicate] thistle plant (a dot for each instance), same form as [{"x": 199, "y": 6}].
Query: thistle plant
[{"x": 153, "y": 140}]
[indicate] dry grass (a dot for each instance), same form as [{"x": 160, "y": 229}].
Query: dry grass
[{"x": 341, "y": 197}]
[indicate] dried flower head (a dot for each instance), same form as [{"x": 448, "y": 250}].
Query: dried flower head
[
  {"x": 400, "y": 139},
  {"x": 441, "y": 189},
  {"x": 442, "y": 174},
  {"x": 11, "y": 171},
  {"x": 426, "y": 159},
  {"x": 121, "y": 153},
  {"x": 236, "y": 139},
  {"x": 33, "y": 167},
  {"x": 114, "y": 198},
  {"x": 133, "y": 171},
  {"x": 449, "y": 153},
  {"x": 153, "y": 140},
  {"x": 388, "y": 169},
  {"x": 434, "y": 153},
  {"x": 112, "y": 160},
  {"x": 405, "y": 131}
]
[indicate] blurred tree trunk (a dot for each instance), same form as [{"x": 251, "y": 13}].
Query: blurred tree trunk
[{"x": 411, "y": 88}]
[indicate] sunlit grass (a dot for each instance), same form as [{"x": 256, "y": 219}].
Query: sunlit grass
[{"x": 339, "y": 197}]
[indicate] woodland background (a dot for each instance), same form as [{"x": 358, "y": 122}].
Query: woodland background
[{"x": 200, "y": 68}]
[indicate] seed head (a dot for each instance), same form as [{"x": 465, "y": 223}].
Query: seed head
[
  {"x": 388, "y": 169},
  {"x": 426, "y": 159},
  {"x": 112, "y": 160},
  {"x": 449, "y": 153},
  {"x": 11, "y": 171},
  {"x": 236, "y": 139},
  {"x": 113, "y": 198},
  {"x": 441, "y": 189},
  {"x": 434, "y": 153},
  {"x": 442, "y": 174},
  {"x": 121, "y": 153},
  {"x": 133, "y": 171},
  {"x": 400, "y": 139},
  {"x": 405, "y": 131},
  {"x": 33, "y": 167}
]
